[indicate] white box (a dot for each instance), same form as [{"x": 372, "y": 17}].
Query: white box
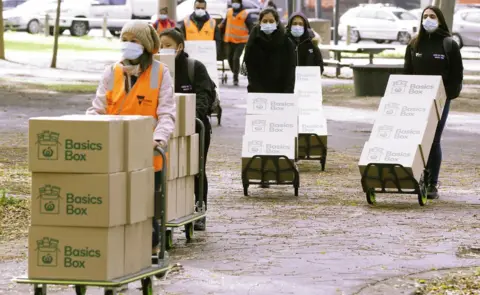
[
  {"x": 269, "y": 103},
  {"x": 253, "y": 145},
  {"x": 307, "y": 107},
  {"x": 406, "y": 108},
  {"x": 384, "y": 152},
  {"x": 312, "y": 124},
  {"x": 275, "y": 124},
  {"x": 205, "y": 52},
  {"x": 169, "y": 61},
  {"x": 418, "y": 86}
]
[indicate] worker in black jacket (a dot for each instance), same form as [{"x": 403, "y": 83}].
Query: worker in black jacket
[
  {"x": 171, "y": 41},
  {"x": 433, "y": 52}
]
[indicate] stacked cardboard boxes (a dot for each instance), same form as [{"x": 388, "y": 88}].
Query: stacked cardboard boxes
[
  {"x": 183, "y": 160},
  {"x": 271, "y": 129},
  {"x": 92, "y": 196},
  {"x": 312, "y": 124},
  {"x": 404, "y": 128},
  {"x": 169, "y": 61}
]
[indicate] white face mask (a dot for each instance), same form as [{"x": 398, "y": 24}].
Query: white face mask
[
  {"x": 163, "y": 16},
  {"x": 430, "y": 25},
  {"x": 131, "y": 50},
  {"x": 235, "y": 5},
  {"x": 268, "y": 28},
  {"x": 200, "y": 12},
  {"x": 297, "y": 31},
  {"x": 168, "y": 51}
]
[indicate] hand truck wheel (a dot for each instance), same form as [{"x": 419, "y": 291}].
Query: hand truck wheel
[
  {"x": 422, "y": 192},
  {"x": 189, "y": 231},
  {"x": 371, "y": 199},
  {"x": 110, "y": 292},
  {"x": 40, "y": 290},
  {"x": 168, "y": 239},
  {"x": 80, "y": 290},
  {"x": 147, "y": 286}
]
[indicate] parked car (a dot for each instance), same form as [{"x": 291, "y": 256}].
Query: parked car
[
  {"x": 417, "y": 12},
  {"x": 28, "y": 16},
  {"x": 466, "y": 27},
  {"x": 378, "y": 22},
  {"x": 10, "y": 4}
]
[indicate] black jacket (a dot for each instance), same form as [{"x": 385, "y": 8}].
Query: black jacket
[
  {"x": 200, "y": 22},
  {"x": 306, "y": 53},
  {"x": 270, "y": 62},
  {"x": 429, "y": 58},
  {"x": 202, "y": 86}
]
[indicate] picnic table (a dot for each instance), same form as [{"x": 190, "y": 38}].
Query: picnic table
[{"x": 370, "y": 49}]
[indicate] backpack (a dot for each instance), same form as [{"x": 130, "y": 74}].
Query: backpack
[{"x": 213, "y": 100}]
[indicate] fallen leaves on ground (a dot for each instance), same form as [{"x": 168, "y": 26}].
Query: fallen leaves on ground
[{"x": 455, "y": 284}]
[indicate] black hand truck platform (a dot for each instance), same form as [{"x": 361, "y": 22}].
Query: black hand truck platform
[{"x": 309, "y": 147}]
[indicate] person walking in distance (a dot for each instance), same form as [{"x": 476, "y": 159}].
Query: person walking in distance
[
  {"x": 237, "y": 25},
  {"x": 434, "y": 52},
  {"x": 163, "y": 22},
  {"x": 200, "y": 26},
  {"x": 137, "y": 76}
]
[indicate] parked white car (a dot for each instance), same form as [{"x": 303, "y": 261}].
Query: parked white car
[
  {"x": 466, "y": 27},
  {"x": 417, "y": 12},
  {"x": 28, "y": 16},
  {"x": 378, "y": 22}
]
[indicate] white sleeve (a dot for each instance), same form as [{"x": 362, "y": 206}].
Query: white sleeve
[
  {"x": 99, "y": 103},
  {"x": 166, "y": 110}
]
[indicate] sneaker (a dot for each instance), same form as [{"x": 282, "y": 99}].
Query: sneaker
[
  {"x": 432, "y": 192},
  {"x": 200, "y": 224}
]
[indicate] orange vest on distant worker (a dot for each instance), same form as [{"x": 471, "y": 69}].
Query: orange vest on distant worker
[
  {"x": 161, "y": 28},
  {"x": 207, "y": 33},
  {"x": 236, "y": 30},
  {"x": 142, "y": 100}
]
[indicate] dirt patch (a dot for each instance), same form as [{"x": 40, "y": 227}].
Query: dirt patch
[
  {"x": 458, "y": 283},
  {"x": 344, "y": 95}
]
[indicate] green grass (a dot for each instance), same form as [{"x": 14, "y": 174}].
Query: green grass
[
  {"x": 32, "y": 46},
  {"x": 61, "y": 88}
]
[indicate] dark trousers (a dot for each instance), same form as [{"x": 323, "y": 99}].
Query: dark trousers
[
  {"x": 435, "y": 158},
  {"x": 208, "y": 133},
  {"x": 156, "y": 226},
  {"x": 234, "y": 51}
]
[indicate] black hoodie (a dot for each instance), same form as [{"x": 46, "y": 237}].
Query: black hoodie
[
  {"x": 270, "y": 62},
  {"x": 307, "y": 54},
  {"x": 427, "y": 56}
]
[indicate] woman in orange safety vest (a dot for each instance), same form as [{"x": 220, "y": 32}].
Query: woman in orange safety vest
[{"x": 139, "y": 85}]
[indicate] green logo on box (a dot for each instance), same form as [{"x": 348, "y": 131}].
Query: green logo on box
[
  {"x": 47, "y": 252},
  {"x": 49, "y": 199},
  {"x": 47, "y": 145}
]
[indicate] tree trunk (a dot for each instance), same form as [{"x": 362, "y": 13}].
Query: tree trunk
[
  {"x": 2, "y": 40},
  {"x": 56, "y": 34}
]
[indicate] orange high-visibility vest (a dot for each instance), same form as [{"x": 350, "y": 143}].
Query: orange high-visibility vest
[
  {"x": 236, "y": 30},
  {"x": 161, "y": 28},
  {"x": 207, "y": 33},
  {"x": 142, "y": 99}
]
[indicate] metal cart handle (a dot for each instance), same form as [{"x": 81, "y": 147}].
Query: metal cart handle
[{"x": 163, "y": 201}]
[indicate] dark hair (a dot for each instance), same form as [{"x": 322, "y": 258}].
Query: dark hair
[
  {"x": 268, "y": 10},
  {"x": 200, "y": 1},
  {"x": 271, "y": 4},
  {"x": 175, "y": 34},
  {"x": 443, "y": 29}
]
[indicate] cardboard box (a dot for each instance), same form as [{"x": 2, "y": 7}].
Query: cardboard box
[
  {"x": 313, "y": 124},
  {"x": 73, "y": 145},
  {"x": 169, "y": 61},
  {"x": 406, "y": 132},
  {"x": 253, "y": 145},
  {"x": 186, "y": 114},
  {"x": 407, "y": 108},
  {"x": 76, "y": 253},
  {"x": 193, "y": 154},
  {"x": 317, "y": 144},
  {"x": 272, "y": 124},
  {"x": 138, "y": 138},
  {"x": 268, "y": 103},
  {"x": 181, "y": 192},
  {"x": 92, "y": 200},
  {"x": 308, "y": 83},
  {"x": 172, "y": 159},
  {"x": 270, "y": 170},
  {"x": 190, "y": 195},
  {"x": 418, "y": 86},
  {"x": 307, "y": 107},
  {"x": 383, "y": 152},
  {"x": 182, "y": 156},
  {"x": 140, "y": 200},
  {"x": 137, "y": 243},
  {"x": 171, "y": 199}
]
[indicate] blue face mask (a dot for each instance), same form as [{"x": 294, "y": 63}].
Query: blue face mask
[
  {"x": 162, "y": 16},
  {"x": 268, "y": 28},
  {"x": 430, "y": 25},
  {"x": 297, "y": 31},
  {"x": 236, "y": 5}
]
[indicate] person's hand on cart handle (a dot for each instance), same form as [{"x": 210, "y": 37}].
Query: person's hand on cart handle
[{"x": 159, "y": 143}]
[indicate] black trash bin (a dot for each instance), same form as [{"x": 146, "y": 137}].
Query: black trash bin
[{"x": 371, "y": 79}]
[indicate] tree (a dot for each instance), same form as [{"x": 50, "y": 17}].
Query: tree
[
  {"x": 56, "y": 34},
  {"x": 2, "y": 41}
]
